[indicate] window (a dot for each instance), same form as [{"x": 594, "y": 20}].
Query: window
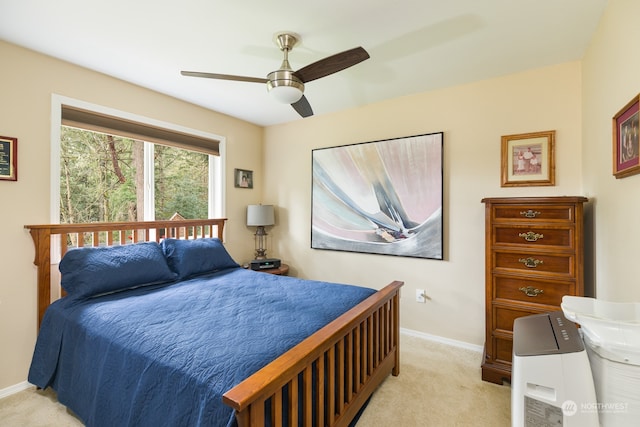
[{"x": 113, "y": 166}]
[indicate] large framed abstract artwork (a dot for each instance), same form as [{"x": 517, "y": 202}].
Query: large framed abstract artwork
[{"x": 381, "y": 197}]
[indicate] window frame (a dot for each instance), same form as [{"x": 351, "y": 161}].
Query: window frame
[{"x": 216, "y": 207}]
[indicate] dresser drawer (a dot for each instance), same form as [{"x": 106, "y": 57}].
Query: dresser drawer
[
  {"x": 534, "y": 236},
  {"x": 503, "y": 350},
  {"x": 557, "y": 265},
  {"x": 531, "y": 291},
  {"x": 530, "y": 213},
  {"x": 502, "y": 332},
  {"x": 503, "y": 316}
]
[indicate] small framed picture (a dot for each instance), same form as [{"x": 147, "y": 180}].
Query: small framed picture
[
  {"x": 626, "y": 160},
  {"x": 243, "y": 178},
  {"x": 528, "y": 159},
  {"x": 8, "y": 158}
]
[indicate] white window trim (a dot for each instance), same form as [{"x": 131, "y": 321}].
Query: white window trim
[
  {"x": 216, "y": 207},
  {"x": 149, "y": 179}
]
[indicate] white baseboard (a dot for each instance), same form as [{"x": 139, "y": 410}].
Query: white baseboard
[
  {"x": 14, "y": 389},
  {"x": 442, "y": 340}
]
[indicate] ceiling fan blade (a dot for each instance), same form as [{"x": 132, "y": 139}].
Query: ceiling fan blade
[
  {"x": 303, "y": 107},
  {"x": 223, "y": 77},
  {"x": 332, "y": 64}
]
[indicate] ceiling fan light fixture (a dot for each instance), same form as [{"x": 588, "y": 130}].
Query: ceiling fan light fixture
[
  {"x": 286, "y": 94},
  {"x": 285, "y": 87}
]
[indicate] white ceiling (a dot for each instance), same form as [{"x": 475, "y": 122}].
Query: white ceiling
[{"x": 415, "y": 45}]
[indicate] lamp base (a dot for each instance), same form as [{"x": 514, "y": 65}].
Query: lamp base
[{"x": 261, "y": 242}]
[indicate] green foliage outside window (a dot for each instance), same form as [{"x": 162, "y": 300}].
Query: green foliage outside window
[{"x": 102, "y": 179}]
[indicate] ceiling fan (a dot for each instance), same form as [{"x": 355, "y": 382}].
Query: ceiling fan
[{"x": 287, "y": 85}]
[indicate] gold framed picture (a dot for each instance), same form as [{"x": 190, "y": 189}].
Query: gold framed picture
[
  {"x": 528, "y": 159},
  {"x": 8, "y": 158},
  {"x": 626, "y": 158}
]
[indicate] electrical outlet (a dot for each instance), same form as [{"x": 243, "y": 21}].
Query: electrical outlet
[{"x": 420, "y": 295}]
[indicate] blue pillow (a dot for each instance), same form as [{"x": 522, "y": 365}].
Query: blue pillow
[
  {"x": 196, "y": 256},
  {"x": 97, "y": 270}
]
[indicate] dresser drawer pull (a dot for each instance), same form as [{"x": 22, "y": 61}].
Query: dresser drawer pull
[
  {"x": 530, "y": 262},
  {"x": 530, "y": 291},
  {"x": 530, "y": 214},
  {"x": 530, "y": 236}
]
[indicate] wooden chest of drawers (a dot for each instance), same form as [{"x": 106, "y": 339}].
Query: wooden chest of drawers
[{"x": 534, "y": 253}]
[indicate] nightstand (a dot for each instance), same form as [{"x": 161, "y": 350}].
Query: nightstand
[{"x": 283, "y": 270}]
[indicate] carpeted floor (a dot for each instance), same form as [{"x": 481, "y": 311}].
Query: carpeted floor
[{"x": 438, "y": 386}]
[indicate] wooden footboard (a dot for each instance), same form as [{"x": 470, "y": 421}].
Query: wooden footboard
[
  {"x": 328, "y": 377},
  {"x": 106, "y": 234}
]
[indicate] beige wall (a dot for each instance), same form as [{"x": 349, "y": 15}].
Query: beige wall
[
  {"x": 611, "y": 78},
  {"x": 473, "y": 118},
  {"x": 27, "y": 82}
]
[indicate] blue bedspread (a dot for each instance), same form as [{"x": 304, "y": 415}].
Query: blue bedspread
[{"x": 165, "y": 355}]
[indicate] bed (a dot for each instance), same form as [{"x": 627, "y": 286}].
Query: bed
[{"x": 182, "y": 335}]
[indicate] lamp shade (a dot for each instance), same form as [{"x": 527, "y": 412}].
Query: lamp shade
[{"x": 260, "y": 215}]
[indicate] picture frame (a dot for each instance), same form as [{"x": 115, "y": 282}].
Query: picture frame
[
  {"x": 528, "y": 159},
  {"x": 381, "y": 197},
  {"x": 243, "y": 178},
  {"x": 8, "y": 158},
  {"x": 626, "y": 153}
]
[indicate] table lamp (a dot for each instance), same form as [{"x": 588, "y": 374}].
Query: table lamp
[{"x": 260, "y": 216}]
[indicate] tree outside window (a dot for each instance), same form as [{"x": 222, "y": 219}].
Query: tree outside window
[{"x": 102, "y": 179}]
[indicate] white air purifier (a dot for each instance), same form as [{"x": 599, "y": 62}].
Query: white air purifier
[{"x": 551, "y": 381}]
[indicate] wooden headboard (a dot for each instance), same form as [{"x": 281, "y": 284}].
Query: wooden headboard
[{"x": 107, "y": 234}]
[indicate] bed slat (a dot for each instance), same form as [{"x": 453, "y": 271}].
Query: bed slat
[
  {"x": 307, "y": 401},
  {"x": 293, "y": 401}
]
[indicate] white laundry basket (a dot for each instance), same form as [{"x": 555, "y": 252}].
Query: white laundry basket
[{"x": 611, "y": 333}]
